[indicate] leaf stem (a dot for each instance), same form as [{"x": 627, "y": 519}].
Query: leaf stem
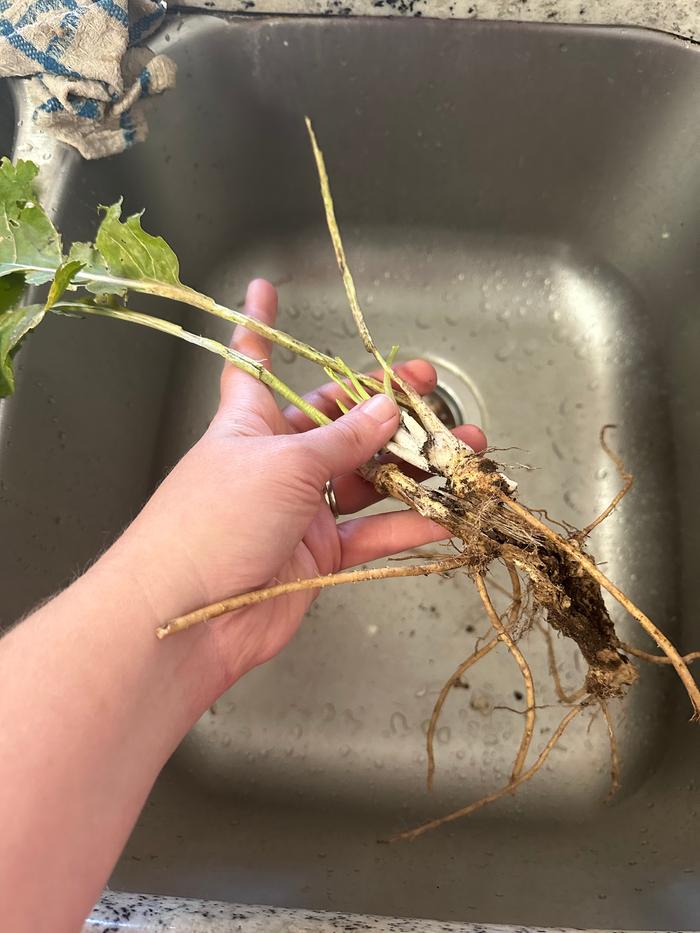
[
  {"x": 201, "y": 302},
  {"x": 189, "y": 296},
  {"x": 242, "y": 362}
]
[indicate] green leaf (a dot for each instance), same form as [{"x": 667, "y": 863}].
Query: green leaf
[
  {"x": 11, "y": 288},
  {"x": 28, "y": 239},
  {"x": 62, "y": 280},
  {"x": 131, "y": 253},
  {"x": 93, "y": 264},
  {"x": 14, "y": 326},
  {"x": 17, "y": 181}
]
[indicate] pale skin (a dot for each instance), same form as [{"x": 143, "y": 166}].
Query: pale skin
[{"x": 93, "y": 704}]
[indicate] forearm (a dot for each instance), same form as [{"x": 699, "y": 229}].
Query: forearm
[{"x": 92, "y": 706}]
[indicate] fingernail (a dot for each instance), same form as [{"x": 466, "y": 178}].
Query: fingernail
[{"x": 380, "y": 407}]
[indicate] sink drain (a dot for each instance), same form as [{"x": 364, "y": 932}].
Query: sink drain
[
  {"x": 455, "y": 399},
  {"x": 445, "y": 406}
]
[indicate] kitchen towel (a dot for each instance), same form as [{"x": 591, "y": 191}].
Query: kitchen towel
[{"x": 88, "y": 73}]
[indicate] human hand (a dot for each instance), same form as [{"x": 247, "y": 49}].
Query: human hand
[{"x": 245, "y": 507}]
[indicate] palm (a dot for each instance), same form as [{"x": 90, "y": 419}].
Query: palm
[{"x": 285, "y": 530}]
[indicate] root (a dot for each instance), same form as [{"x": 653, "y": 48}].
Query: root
[
  {"x": 508, "y": 788},
  {"x": 562, "y": 695},
  {"x": 627, "y": 481},
  {"x": 614, "y": 752},
  {"x": 587, "y": 565},
  {"x": 314, "y": 583},
  {"x": 658, "y": 658},
  {"x": 519, "y": 659},
  {"x": 477, "y": 655},
  {"x": 551, "y": 573}
]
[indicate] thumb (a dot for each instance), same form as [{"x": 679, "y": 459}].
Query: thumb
[{"x": 353, "y": 439}]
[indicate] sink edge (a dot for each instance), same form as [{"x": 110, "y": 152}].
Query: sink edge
[{"x": 147, "y": 913}]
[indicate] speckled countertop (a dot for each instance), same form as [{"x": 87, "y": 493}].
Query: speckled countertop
[
  {"x": 678, "y": 16},
  {"x": 139, "y": 913}
]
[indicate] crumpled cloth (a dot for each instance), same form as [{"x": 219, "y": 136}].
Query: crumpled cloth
[{"x": 88, "y": 74}]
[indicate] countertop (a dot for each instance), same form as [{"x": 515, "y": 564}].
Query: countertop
[{"x": 681, "y": 17}]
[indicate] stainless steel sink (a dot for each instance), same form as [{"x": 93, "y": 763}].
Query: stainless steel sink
[{"x": 519, "y": 205}]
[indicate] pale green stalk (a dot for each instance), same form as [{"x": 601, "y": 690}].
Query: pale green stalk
[
  {"x": 242, "y": 362},
  {"x": 186, "y": 295}
]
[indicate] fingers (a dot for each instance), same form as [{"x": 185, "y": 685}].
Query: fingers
[
  {"x": 352, "y": 440},
  {"x": 354, "y": 493},
  {"x": 238, "y": 387},
  {"x": 419, "y": 373},
  {"x": 366, "y": 539}
]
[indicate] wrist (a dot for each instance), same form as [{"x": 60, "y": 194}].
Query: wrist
[{"x": 179, "y": 677}]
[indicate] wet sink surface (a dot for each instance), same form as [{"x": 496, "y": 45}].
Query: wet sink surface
[{"x": 518, "y": 205}]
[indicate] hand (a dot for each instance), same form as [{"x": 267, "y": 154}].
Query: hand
[
  {"x": 245, "y": 507},
  {"x": 83, "y": 740}
]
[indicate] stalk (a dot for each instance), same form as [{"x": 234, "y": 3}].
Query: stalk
[
  {"x": 239, "y": 360},
  {"x": 189, "y": 296}
]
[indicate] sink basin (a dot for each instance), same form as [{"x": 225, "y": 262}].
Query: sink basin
[{"x": 519, "y": 205}]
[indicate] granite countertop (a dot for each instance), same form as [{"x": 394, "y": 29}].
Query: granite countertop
[
  {"x": 681, "y": 17},
  {"x": 138, "y": 913}
]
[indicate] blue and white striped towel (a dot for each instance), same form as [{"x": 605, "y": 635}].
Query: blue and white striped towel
[{"x": 88, "y": 72}]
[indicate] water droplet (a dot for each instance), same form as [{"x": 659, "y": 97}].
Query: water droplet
[
  {"x": 555, "y": 315},
  {"x": 602, "y": 473},
  {"x": 425, "y": 320},
  {"x": 422, "y": 692},
  {"x": 505, "y": 352},
  {"x": 570, "y": 500},
  {"x": 372, "y": 629},
  {"x": 328, "y": 712},
  {"x": 344, "y": 751},
  {"x": 398, "y": 724},
  {"x": 288, "y": 356},
  {"x": 443, "y": 735},
  {"x": 481, "y": 703}
]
